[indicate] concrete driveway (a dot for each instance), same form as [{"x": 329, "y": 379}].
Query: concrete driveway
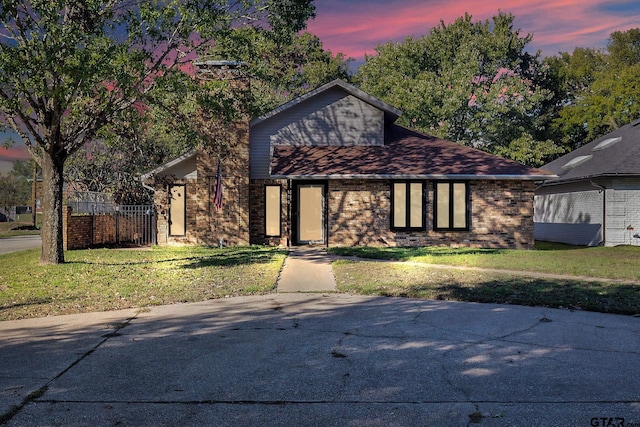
[
  {"x": 20, "y": 243},
  {"x": 325, "y": 360}
]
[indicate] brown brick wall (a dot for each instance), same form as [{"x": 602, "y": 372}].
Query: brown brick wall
[
  {"x": 257, "y": 213},
  {"x": 162, "y": 200},
  {"x": 84, "y": 231},
  {"x": 501, "y": 216},
  {"x": 231, "y": 223},
  {"x": 358, "y": 213}
]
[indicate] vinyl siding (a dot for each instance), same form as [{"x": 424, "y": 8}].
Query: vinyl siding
[
  {"x": 331, "y": 118},
  {"x": 577, "y": 215}
]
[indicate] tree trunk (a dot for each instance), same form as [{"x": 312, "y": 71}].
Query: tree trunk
[{"x": 52, "y": 183}]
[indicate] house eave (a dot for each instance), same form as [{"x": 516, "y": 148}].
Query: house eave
[
  {"x": 560, "y": 181},
  {"x": 168, "y": 165},
  {"x": 464, "y": 177}
]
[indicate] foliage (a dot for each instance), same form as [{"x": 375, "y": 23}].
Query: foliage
[
  {"x": 15, "y": 187},
  {"x": 280, "y": 71},
  {"x": 68, "y": 69},
  {"x": 470, "y": 82},
  {"x": 108, "y": 279},
  {"x": 598, "y": 90}
]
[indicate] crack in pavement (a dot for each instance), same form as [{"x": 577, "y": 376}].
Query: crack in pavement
[{"x": 36, "y": 394}]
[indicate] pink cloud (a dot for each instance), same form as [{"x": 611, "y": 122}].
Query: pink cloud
[
  {"x": 357, "y": 27},
  {"x": 14, "y": 153}
]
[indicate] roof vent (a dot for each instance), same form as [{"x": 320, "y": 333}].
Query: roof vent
[
  {"x": 607, "y": 143},
  {"x": 576, "y": 162}
]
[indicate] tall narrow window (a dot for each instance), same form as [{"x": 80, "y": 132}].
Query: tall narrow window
[
  {"x": 407, "y": 210},
  {"x": 178, "y": 210},
  {"x": 272, "y": 210},
  {"x": 452, "y": 206}
]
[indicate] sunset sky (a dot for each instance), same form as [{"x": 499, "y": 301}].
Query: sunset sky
[{"x": 356, "y": 27}]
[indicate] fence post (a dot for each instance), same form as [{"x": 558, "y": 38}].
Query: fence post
[{"x": 118, "y": 225}]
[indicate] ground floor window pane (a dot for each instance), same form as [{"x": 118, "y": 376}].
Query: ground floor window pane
[{"x": 272, "y": 210}]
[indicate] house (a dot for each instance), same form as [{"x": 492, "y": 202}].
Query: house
[
  {"x": 332, "y": 168},
  {"x": 595, "y": 199}
]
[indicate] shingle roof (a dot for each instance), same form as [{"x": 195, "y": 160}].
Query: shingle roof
[
  {"x": 406, "y": 154},
  {"x": 617, "y": 153}
]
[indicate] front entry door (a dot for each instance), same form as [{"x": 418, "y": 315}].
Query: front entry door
[{"x": 310, "y": 206}]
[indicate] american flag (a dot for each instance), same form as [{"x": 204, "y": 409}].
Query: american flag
[{"x": 217, "y": 192}]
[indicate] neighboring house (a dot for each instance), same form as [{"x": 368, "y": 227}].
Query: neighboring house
[
  {"x": 332, "y": 168},
  {"x": 595, "y": 200}
]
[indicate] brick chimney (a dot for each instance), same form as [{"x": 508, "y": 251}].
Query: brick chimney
[{"x": 229, "y": 145}]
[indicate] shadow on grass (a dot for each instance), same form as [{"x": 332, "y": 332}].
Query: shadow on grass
[
  {"x": 575, "y": 295},
  {"x": 235, "y": 257},
  {"x": 404, "y": 254},
  {"x": 552, "y": 246},
  {"x": 212, "y": 257}
]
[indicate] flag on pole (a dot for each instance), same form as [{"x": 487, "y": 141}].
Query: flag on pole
[{"x": 217, "y": 192}]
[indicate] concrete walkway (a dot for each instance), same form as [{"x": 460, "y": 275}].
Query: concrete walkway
[
  {"x": 307, "y": 270},
  {"x": 295, "y": 359}
]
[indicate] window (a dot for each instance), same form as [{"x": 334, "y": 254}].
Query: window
[
  {"x": 272, "y": 210},
  {"x": 177, "y": 210},
  {"x": 407, "y": 202},
  {"x": 452, "y": 206}
]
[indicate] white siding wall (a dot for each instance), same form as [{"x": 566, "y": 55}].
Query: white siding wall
[
  {"x": 623, "y": 210},
  {"x": 332, "y": 118},
  {"x": 574, "y": 214},
  {"x": 573, "y": 217}
]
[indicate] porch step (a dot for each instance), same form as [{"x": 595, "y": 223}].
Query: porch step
[{"x": 307, "y": 270}]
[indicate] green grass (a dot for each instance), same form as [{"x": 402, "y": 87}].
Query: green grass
[
  {"x": 424, "y": 281},
  {"x": 110, "y": 279},
  {"x": 12, "y": 229},
  {"x": 622, "y": 262}
]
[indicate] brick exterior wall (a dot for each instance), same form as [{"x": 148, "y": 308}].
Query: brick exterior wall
[
  {"x": 81, "y": 231},
  {"x": 85, "y": 231},
  {"x": 228, "y": 143},
  {"x": 162, "y": 200},
  {"x": 257, "y": 213},
  {"x": 358, "y": 214},
  {"x": 230, "y": 224}
]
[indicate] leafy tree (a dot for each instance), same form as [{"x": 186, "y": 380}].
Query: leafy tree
[
  {"x": 470, "y": 82},
  {"x": 68, "y": 69},
  {"x": 601, "y": 89},
  {"x": 624, "y": 48},
  {"x": 280, "y": 71},
  {"x": 11, "y": 189},
  {"x": 573, "y": 75},
  {"x": 15, "y": 187}
]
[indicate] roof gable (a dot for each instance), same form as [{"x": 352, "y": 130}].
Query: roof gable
[
  {"x": 616, "y": 153},
  {"x": 391, "y": 113}
]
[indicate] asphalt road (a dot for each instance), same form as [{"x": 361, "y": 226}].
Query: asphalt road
[
  {"x": 14, "y": 244},
  {"x": 322, "y": 359}
]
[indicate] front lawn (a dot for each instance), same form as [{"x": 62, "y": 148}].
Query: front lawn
[
  {"x": 424, "y": 276},
  {"x": 622, "y": 262},
  {"x": 12, "y": 229},
  {"x": 425, "y": 281},
  {"x": 111, "y": 279}
]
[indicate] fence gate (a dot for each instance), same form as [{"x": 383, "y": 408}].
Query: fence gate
[{"x": 136, "y": 225}]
